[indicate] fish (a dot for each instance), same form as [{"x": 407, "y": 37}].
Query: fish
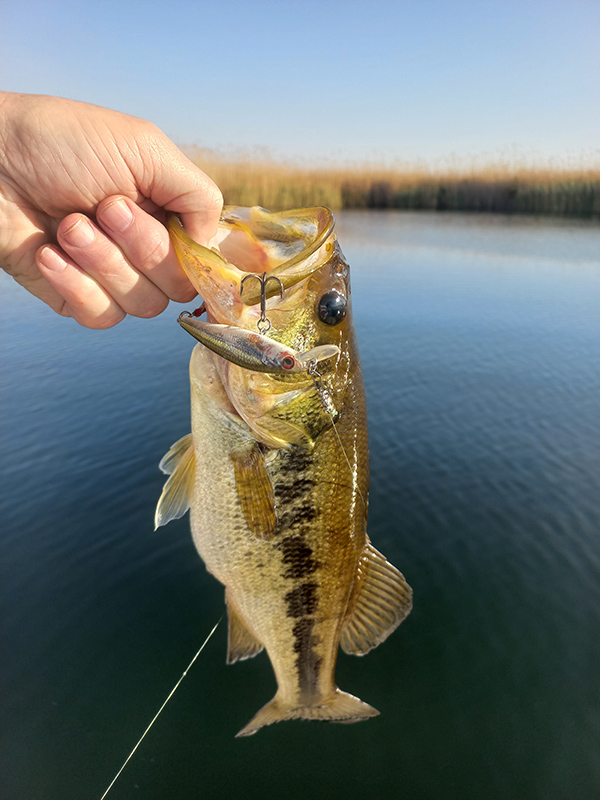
[{"x": 275, "y": 471}]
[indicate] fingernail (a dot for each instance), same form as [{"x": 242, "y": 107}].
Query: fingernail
[
  {"x": 50, "y": 259},
  {"x": 81, "y": 234},
  {"x": 117, "y": 216}
]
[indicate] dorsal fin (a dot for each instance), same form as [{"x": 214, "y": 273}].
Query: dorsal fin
[
  {"x": 241, "y": 642},
  {"x": 180, "y": 463},
  {"x": 380, "y": 603}
]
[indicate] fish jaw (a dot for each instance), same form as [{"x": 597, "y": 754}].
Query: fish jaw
[
  {"x": 212, "y": 276},
  {"x": 289, "y": 246}
]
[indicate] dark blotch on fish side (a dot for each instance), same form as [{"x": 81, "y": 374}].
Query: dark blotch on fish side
[
  {"x": 302, "y": 600},
  {"x": 308, "y": 664},
  {"x": 298, "y": 557},
  {"x": 296, "y": 516},
  {"x": 295, "y": 460},
  {"x": 287, "y": 492},
  {"x": 302, "y": 631}
]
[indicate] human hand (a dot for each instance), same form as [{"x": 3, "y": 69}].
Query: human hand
[{"x": 83, "y": 194}]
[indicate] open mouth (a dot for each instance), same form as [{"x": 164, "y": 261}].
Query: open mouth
[{"x": 286, "y": 245}]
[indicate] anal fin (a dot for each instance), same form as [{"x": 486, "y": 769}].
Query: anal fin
[
  {"x": 241, "y": 642},
  {"x": 381, "y": 601},
  {"x": 255, "y": 492}
]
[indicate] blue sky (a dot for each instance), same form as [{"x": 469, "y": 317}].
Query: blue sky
[{"x": 412, "y": 80}]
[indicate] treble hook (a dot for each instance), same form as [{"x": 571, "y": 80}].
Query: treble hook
[{"x": 263, "y": 323}]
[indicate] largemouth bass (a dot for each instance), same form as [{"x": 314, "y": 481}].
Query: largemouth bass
[{"x": 276, "y": 469}]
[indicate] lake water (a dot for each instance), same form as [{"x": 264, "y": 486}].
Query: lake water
[{"x": 480, "y": 341}]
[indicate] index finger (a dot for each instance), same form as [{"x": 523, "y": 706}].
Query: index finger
[{"x": 146, "y": 245}]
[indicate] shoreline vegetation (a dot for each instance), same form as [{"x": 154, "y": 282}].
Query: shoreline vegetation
[{"x": 249, "y": 181}]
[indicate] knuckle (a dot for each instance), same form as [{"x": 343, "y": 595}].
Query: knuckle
[
  {"x": 102, "y": 321},
  {"x": 215, "y": 196},
  {"x": 184, "y": 294},
  {"x": 157, "y": 250},
  {"x": 152, "y": 306},
  {"x": 93, "y": 309}
]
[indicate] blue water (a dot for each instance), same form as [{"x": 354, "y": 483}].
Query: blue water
[{"x": 480, "y": 341}]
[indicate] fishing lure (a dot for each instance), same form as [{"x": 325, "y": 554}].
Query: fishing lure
[{"x": 253, "y": 351}]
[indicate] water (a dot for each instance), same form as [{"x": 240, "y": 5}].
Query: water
[{"x": 480, "y": 340}]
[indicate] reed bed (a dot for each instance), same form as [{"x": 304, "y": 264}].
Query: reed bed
[{"x": 503, "y": 188}]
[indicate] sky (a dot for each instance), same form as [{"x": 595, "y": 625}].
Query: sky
[{"x": 427, "y": 81}]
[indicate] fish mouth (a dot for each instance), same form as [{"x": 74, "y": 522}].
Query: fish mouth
[{"x": 287, "y": 245}]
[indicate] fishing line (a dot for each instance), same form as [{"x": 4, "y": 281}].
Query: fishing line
[
  {"x": 329, "y": 406},
  {"x": 173, "y": 690},
  {"x": 349, "y": 465}
]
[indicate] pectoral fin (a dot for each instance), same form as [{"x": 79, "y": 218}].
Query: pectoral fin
[
  {"x": 180, "y": 463},
  {"x": 255, "y": 492},
  {"x": 381, "y": 601},
  {"x": 241, "y": 642},
  {"x": 280, "y": 433},
  {"x": 173, "y": 456}
]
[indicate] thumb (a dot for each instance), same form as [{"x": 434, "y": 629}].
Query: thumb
[{"x": 178, "y": 185}]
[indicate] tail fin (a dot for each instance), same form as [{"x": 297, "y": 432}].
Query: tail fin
[{"x": 342, "y": 707}]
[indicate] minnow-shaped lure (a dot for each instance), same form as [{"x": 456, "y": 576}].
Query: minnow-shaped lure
[{"x": 254, "y": 351}]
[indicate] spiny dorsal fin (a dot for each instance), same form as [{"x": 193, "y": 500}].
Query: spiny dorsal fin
[
  {"x": 241, "y": 642},
  {"x": 383, "y": 599},
  {"x": 255, "y": 492},
  {"x": 180, "y": 463}
]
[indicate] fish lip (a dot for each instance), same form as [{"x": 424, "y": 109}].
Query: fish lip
[
  {"x": 325, "y": 222},
  {"x": 214, "y": 262}
]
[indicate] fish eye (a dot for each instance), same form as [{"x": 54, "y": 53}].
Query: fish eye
[
  {"x": 332, "y": 308},
  {"x": 287, "y": 362}
]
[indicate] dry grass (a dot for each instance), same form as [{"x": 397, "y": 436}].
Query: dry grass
[{"x": 501, "y": 188}]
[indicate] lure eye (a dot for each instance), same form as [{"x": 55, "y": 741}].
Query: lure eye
[
  {"x": 288, "y": 362},
  {"x": 332, "y": 308}
]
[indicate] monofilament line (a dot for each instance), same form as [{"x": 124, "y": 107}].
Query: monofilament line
[
  {"x": 329, "y": 407},
  {"x": 354, "y": 478},
  {"x": 173, "y": 690}
]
